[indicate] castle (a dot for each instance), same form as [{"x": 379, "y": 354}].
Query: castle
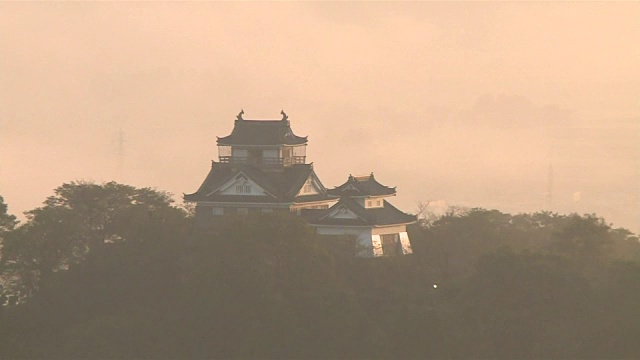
[{"x": 262, "y": 168}]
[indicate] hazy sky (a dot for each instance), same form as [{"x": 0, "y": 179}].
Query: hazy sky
[{"x": 475, "y": 104}]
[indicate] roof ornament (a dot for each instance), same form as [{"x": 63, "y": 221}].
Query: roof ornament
[
  {"x": 284, "y": 115},
  {"x": 239, "y": 116}
]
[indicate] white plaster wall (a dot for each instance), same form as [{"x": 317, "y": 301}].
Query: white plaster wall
[
  {"x": 389, "y": 230},
  {"x": 376, "y": 245},
  {"x": 402, "y": 234},
  {"x": 314, "y": 188},
  {"x": 363, "y": 238},
  {"x": 376, "y": 202},
  {"x": 329, "y": 204},
  {"x": 406, "y": 244},
  {"x": 270, "y": 153},
  {"x": 300, "y": 150},
  {"x": 239, "y": 153}
]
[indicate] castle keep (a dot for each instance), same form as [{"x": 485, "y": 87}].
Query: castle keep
[{"x": 262, "y": 167}]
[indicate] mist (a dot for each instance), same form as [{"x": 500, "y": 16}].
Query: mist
[{"x": 515, "y": 106}]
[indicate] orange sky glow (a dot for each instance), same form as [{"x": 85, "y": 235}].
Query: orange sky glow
[{"x": 471, "y": 104}]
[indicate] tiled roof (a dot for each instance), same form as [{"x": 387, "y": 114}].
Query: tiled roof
[
  {"x": 362, "y": 186},
  {"x": 262, "y": 132},
  {"x": 282, "y": 185},
  {"x": 313, "y": 198},
  {"x": 386, "y": 215},
  {"x": 242, "y": 199}
]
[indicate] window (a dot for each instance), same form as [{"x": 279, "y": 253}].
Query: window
[
  {"x": 243, "y": 211},
  {"x": 218, "y": 211},
  {"x": 267, "y": 210},
  {"x": 373, "y": 203},
  {"x": 243, "y": 189}
]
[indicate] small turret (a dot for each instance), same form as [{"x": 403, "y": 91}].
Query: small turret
[{"x": 367, "y": 191}]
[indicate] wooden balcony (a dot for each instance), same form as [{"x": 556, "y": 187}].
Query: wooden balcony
[
  {"x": 293, "y": 160},
  {"x": 263, "y": 162}
]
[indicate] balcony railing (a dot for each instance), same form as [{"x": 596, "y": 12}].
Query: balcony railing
[
  {"x": 294, "y": 160},
  {"x": 263, "y": 162}
]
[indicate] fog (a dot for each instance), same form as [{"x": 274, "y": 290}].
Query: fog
[{"x": 515, "y": 106}]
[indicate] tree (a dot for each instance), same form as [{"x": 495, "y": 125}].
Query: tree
[
  {"x": 260, "y": 286},
  {"x": 525, "y": 305},
  {"x": 81, "y": 218},
  {"x": 457, "y": 239},
  {"x": 266, "y": 286},
  {"x": 584, "y": 236},
  {"x": 7, "y": 221},
  {"x": 7, "y": 224}
]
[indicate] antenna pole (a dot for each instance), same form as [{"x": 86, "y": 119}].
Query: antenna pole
[{"x": 121, "y": 140}]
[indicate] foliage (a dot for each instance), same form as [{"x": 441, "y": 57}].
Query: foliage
[
  {"x": 80, "y": 219},
  {"x": 7, "y": 221},
  {"x": 524, "y": 286},
  {"x": 7, "y": 224}
]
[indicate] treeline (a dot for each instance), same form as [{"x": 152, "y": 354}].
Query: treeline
[{"x": 114, "y": 271}]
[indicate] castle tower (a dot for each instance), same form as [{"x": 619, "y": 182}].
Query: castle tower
[
  {"x": 364, "y": 212},
  {"x": 261, "y": 167}
]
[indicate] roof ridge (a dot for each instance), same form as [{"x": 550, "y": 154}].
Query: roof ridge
[
  {"x": 357, "y": 177},
  {"x": 262, "y": 132},
  {"x": 263, "y": 120}
]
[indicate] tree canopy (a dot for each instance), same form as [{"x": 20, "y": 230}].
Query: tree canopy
[
  {"x": 114, "y": 271},
  {"x": 78, "y": 221},
  {"x": 7, "y": 221}
]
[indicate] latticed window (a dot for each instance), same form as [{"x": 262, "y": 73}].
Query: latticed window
[
  {"x": 218, "y": 211},
  {"x": 243, "y": 211},
  {"x": 243, "y": 189}
]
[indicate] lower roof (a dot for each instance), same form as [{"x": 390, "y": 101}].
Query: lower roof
[
  {"x": 382, "y": 216},
  {"x": 283, "y": 186}
]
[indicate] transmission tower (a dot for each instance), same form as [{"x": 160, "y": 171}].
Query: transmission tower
[{"x": 120, "y": 143}]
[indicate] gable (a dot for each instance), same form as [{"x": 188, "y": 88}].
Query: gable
[
  {"x": 342, "y": 212},
  {"x": 350, "y": 187},
  {"x": 363, "y": 185},
  {"x": 241, "y": 185},
  {"x": 310, "y": 187}
]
